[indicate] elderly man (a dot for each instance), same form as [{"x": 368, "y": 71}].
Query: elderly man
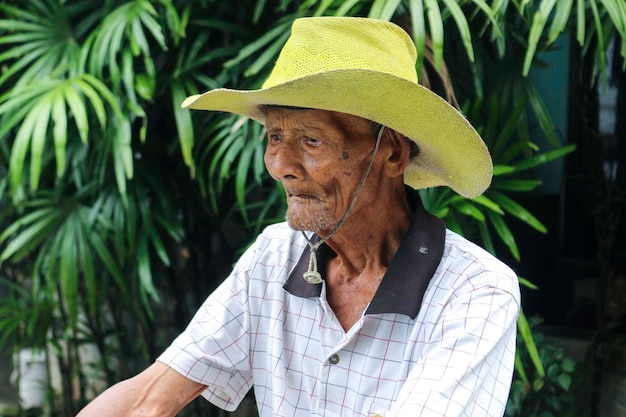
[{"x": 362, "y": 303}]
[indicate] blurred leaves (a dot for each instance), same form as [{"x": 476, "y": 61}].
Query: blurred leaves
[
  {"x": 559, "y": 15},
  {"x": 42, "y": 106},
  {"x": 547, "y": 389}
]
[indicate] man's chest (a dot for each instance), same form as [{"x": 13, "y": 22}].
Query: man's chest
[{"x": 316, "y": 365}]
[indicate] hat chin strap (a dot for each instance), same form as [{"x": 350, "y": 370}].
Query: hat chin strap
[{"x": 311, "y": 275}]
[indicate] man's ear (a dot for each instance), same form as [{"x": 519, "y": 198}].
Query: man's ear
[{"x": 396, "y": 152}]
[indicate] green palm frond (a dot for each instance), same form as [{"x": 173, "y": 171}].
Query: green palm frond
[
  {"x": 234, "y": 155},
  {"x": 525, "y": 331},
  {"x": 41, "y": 106},
  {"x": 39, "y": 39},
  {"x": 384, "y": 9},
  {"x": 271, "y": 41},
  {"x": 187, "y": 76},
  {"x": 121, "y": 46},
  {"x": 25, "y": 316},
  {"x": 559, "y": 15},
  {"x": 76, "y": 244},
  {"x": 57, "y": 236}
]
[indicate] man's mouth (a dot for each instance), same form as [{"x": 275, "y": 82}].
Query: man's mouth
[{"x": 298, "y": 194}]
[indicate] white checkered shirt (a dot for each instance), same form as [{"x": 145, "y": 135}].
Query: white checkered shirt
[{"x": 434, "y": 341}]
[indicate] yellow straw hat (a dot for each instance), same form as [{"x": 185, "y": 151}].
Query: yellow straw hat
[{"x": 366, "y": 67}]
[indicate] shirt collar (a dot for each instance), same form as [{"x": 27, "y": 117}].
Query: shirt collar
[{"x": 404, "y": 284}]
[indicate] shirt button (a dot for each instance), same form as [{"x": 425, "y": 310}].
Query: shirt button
[{"x": 334, "y": 359}]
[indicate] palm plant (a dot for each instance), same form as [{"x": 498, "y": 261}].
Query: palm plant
[
  {"x": 92, "y": 229},
  {"x": 108, "y": 206}
]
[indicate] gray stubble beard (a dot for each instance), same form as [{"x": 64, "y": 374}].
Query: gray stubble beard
[{"x": 321, "y": 221}]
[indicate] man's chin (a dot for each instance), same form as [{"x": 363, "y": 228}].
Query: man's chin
[
  {"x": 315, "y": 225},
  {"x": 301, "y": 227}
]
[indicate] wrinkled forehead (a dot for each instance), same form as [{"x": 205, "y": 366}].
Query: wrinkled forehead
[{"x": 323, "y": 116}]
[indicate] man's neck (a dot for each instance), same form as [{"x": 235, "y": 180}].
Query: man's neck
[
  {"x": 363, "y": 249},
  {"x": 371, "y": 236}
]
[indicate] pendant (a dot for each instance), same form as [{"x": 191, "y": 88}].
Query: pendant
[{"x": 312, "y": 277}]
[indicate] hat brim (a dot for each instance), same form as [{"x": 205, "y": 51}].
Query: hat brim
[{"x": 451, "y": 151}]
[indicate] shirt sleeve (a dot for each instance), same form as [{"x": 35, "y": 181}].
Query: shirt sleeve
[
  {"x": 466, "y": 367},
  {"x": 214, "y": 348}
]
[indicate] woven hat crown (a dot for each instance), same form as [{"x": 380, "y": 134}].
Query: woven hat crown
[{"x": 319, "y": 45}]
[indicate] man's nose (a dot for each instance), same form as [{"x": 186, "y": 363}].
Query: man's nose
[{"x": 283, "y": 161}]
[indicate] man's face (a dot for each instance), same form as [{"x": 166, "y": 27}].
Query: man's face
[{"x": 320, "y": 158}]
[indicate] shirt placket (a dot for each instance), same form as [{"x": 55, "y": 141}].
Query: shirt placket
[{"x": 334, "y": 371}]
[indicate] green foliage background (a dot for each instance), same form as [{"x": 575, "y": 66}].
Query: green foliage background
[{"x": 120, "y": 211}]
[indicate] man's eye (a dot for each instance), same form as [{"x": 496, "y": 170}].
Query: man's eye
[
  {"x": 312, "y": 141},
  {"x": 273, "y": 138}
]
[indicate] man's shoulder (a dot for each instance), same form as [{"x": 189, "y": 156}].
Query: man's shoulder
[
  {"x": 457, "y": 245},
  {"x": 461, "y": 254},
  {"x": 272, "y": 255},
  {"x": 280, "y": 229},
  {"x": 280, "y": 232},
  {"x": 279, "y": 238}
]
